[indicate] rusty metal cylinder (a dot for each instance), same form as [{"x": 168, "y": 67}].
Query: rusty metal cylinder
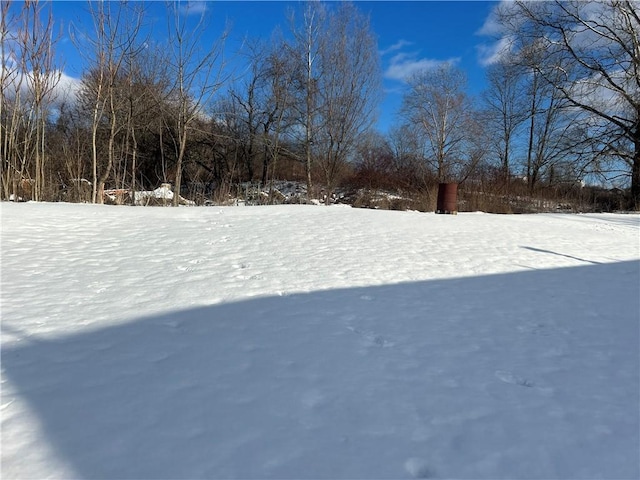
[{"x": 447, "y": 198}]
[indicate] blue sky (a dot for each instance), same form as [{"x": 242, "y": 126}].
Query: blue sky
[
  {"x": 421, "y": 34},
  {"x": 410, "y": 35}
]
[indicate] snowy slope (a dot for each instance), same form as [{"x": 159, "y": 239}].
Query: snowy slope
[{"x": 315, "y": 342}]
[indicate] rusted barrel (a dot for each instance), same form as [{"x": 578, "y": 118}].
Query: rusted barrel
[{"x": 447, "y": 198}]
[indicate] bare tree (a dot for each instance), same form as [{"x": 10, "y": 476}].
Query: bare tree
[
  {"x": 11, "y": 114},
  {"x": 115, "y": 39},
  {"x": 549, "y": 122},
  {"x": 592, "y": 58},
  {"x": 197, "y": 71},
  {"x": 145, "y": 92},
  {"x": 69, "y": 144},
  {"x": 266, "y": 105},
  {"x": 338, "y": 85},
  {"x": 306, "y": 48},
  {"x": 551, "y": 133},
  {"x": 249, "y": 104},
  {"x": 408, "y": 150},
  {"x": 349, "y": 89},
  {"x": 505, "y": 111},
  {"x": 375, "y": 166},
  {"x": 437, "y": 105},
  {"x": 42, "y": 78},
  {"x": 29, "y": 78},
  {"x": 280, "y": 75}
]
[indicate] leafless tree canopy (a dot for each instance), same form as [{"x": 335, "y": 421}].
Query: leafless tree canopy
[
  {"x": 592, "y": 61},
  {"x": 561, "y": 107},
  {"x": 436, "y": 104}
]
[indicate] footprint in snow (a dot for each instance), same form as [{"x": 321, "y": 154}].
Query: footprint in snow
[
  {"x": 184, "y": 268},
  {"x": 535, "y": 329},
  {"x": 543, "y": 330},
  {"x": 372, "y": 339},
  {"x": 418, "y": 468},
  {"x": 509, "y": 377}
]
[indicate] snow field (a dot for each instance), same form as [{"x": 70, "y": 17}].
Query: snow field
[{"x": 318, "y": 342}]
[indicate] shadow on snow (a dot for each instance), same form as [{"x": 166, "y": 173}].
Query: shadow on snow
[{"x": 353, "y": 382}]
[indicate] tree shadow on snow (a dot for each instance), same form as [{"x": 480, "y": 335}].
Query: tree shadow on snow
[
  {"x": 530, "y": 374},
  {"x": 541, "y": 250}
]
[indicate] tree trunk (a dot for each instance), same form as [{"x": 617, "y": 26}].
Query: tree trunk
[
  {"x": 178, "y": 185},
  {"x": 530, "y": 179},
  {"x": 134, "y": 159},
  {"x": 635, "y": 172},
  {"x": 308, "y": 148},
  {"x": 94, "y": 156},
  {"x": 265, "y": 164},
  {"x": 110, "y": 155}
]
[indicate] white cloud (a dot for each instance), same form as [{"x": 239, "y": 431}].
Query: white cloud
[
  {"x": 65, "y": 91},
  {"x": 489, "y": 54},
  {"x": 403, "y": 65},
  {"x": 491, "y": 26},
  {"x": 501, "y": 45},
  {"x": 396, "y": 46},
  {"x": 192, "y": 7}
]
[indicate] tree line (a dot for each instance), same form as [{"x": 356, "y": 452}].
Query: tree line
[{"x": 561, "y": 105}]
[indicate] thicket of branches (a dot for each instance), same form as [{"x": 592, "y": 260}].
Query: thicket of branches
[{"x": 561, "y": 109}]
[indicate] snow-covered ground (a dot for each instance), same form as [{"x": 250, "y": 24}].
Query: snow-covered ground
[{"x": 318, "y": 342}]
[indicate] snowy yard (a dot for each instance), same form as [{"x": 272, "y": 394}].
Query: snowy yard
[{"x": 318, "y": 342}]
